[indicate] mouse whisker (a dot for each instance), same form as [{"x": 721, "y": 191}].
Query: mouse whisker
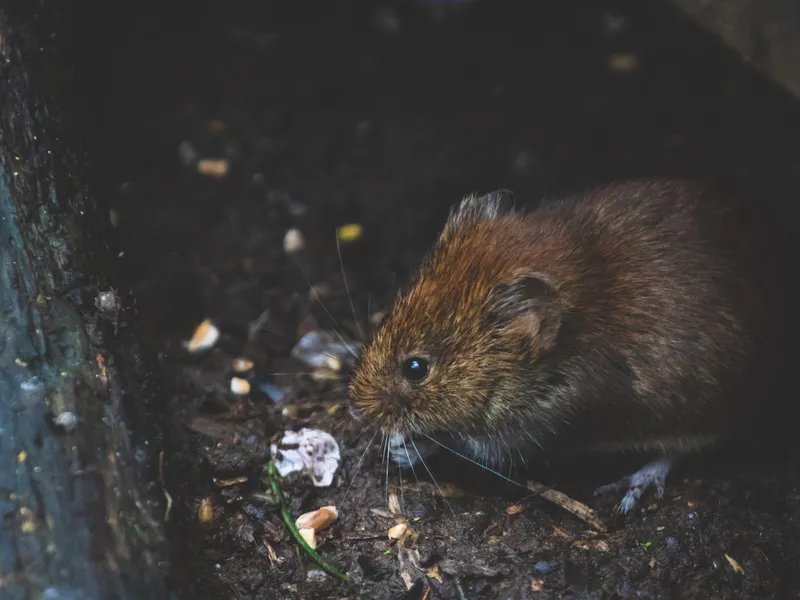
[
  {"x": 410, "y": 462},
  {"x": 358, "y": 465},
  {"x": 327, "y": 312},
  {"x": 400, "y": 477},
  {"x": 388, "y": 461},
  {"x": 475, "y": 462},
  {"x": 436, "y": 483},
  {"x": 347, "y": 289}
]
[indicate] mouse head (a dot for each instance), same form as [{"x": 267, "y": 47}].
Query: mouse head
[{"x": 448, "y": 354}]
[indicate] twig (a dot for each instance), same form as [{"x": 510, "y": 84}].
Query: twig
[
  {"x": 579, "y": 509},
  {"x": 286, "y": 515}
]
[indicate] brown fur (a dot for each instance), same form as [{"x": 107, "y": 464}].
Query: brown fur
[{"x": 628, "y": 317}]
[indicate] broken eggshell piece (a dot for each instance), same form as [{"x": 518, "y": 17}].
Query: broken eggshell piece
[{"x": 312, "y": 451}]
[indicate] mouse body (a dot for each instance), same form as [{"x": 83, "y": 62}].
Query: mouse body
[{"x": 631, "y": 317}]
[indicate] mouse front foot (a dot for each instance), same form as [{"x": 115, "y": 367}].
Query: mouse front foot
[{"x": 652, "y": 475}]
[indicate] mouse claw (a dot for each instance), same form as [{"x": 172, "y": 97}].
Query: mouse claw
[{"x": 652, "y": 475}]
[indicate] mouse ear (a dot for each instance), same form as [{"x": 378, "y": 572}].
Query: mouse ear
[
  {"x": 476, "y": 208},
  {"x": 530, "y": 304}
]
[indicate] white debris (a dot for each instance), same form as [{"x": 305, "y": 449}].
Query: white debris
[
  {"x": 67, "y": 420},
  {"x": 322, "y": 350},
  {"x": 311, "y": 451},
  {"x": 293, "y": 241}
]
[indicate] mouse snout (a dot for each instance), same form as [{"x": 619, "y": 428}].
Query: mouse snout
[{"x": 382, "y": 405}]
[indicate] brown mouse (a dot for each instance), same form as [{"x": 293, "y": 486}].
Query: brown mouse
[{"x": 627, "y": 318}]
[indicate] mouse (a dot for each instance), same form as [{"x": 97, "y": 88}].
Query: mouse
[{"x": 629, "y": 318}]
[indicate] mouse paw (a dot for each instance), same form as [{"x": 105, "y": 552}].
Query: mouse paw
[{"x": 653, "y": 474}]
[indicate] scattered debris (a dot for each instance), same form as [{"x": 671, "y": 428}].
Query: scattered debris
[
  {"x": 66, "y": 420},
  {"x": 242, "y": 364},
  {"x": 101, "y": 364},
  {"x": 230, "y": 482},
  {"x": 309, "y": 450},
  {"x": 28, "y": 520},
  {"x": 579, "y": 509},
  {"x": 398, "y": 531},
  {"x": 545, "y": 566},
  {"x": 275, "y": 393},
  {"x": 205, "y": 512},
  {"x": 349, "y": 233},
  {"x": 317, "y": 519},
  {"x": 537, "y": 585},
  {"x": 293, "y": 241},
  {"x": 240, "y": 386},
  {"x": 514, "y": 509},
  {"x": 20, "y": 362},
  {"x": 213, "y": 167},
  {"x": 205, "y": 336},
  {"x": 187, "y": 153},
  {"x": 394, "y": 504},
  {"x": 22, "y": 457},
  {"x": 623, "y": 62},
  {"x": 614, "y": 24},
  {"x": 737, "y": 568},
  {"x": 322, "y": 350},
  {"x": 108, "y": 302}
]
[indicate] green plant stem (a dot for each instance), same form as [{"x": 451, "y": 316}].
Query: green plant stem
[{"x": 286, "y": 515}]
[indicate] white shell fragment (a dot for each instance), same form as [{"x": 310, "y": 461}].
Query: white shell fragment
[
  {"x": 311, "y": 451},
  {"x": 317, "y": 519},
  {"x": 293, "y": 241},
  {"x": 322, "y": 350},
  {"x": 205, "y": 336}
]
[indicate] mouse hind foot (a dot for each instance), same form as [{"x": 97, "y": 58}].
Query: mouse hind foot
[{"x": 652, "y": 475}]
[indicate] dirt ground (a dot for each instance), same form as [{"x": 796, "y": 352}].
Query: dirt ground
[{"x": 384, "y": 114}]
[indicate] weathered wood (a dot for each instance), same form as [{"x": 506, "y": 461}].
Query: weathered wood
[
  {"x": 765, "y": 33},
  {"x": 77, "y": 517}
]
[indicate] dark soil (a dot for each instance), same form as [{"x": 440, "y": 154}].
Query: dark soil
[{"x": 384, "y": 115}]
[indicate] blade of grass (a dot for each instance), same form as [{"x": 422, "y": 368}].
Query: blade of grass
[{"x": 286, "y": 515}]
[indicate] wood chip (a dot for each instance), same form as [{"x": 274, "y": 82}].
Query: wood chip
[{"x": 579, "y": 509}]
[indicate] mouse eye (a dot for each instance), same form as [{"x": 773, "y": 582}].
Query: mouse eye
[{"x": 415, "y": 369}]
